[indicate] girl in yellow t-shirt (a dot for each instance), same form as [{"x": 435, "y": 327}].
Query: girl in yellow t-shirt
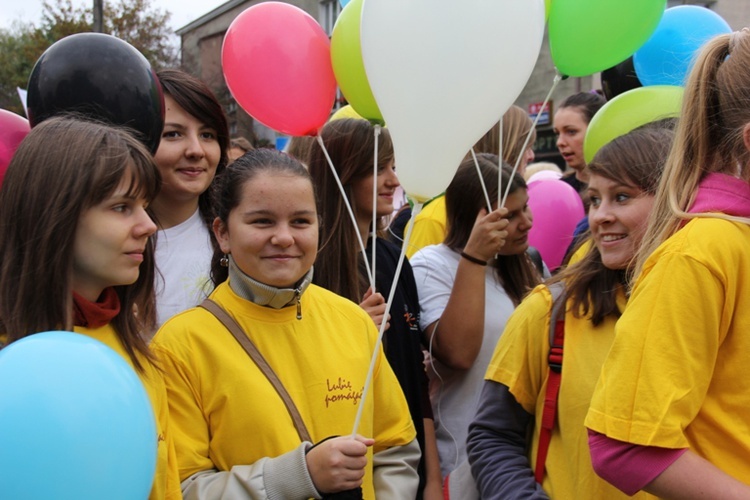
[
  {"x": 76, "y": 254},
  {"x": 622, "y": 180},
  {"x": 670, "y": 411},
  {"x": 235, "y": 436}
]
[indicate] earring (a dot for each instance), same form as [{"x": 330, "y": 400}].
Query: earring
[{"x": 224, "y": 261}]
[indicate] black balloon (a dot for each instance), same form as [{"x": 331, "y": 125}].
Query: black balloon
[
  {"x": 619, "y": 79},
  {"x": 102, "y": 77}
]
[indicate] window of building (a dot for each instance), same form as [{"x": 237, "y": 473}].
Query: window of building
[
  {"x": 329, "y": 12},
  {"x": 701, "y": 3}
]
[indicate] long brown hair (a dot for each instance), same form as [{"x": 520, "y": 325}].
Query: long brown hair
[
  {"x": 635, "y": 159},
  {"x": 709, "y": 139},
  {"x": 464, "y": 198},
  {"x": 65, "y": 166},
  {"x": 350, "y": 143}
]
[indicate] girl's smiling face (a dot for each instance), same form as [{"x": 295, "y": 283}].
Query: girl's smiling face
[{"x": 617, "y": 217}]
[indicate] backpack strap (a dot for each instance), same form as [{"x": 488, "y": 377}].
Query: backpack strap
[
  {"x": 252, "y": 351},
  {"x": 554, "y": 361}
]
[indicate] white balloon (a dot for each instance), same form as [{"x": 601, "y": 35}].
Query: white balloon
[{"x": 443, "y": 73}]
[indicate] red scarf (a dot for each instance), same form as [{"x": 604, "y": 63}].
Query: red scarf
[{"x": 96, "y": 314}]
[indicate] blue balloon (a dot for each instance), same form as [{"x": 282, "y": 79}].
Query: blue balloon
[
  {"x": 667, "y": 57},
  {"x": 75, "y": 421},
  {"x": 343, "y": 3}
]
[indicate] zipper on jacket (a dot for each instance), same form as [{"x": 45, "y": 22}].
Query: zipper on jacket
[{"x": 298, "y": 295}]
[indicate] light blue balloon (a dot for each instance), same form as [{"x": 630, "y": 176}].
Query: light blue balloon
[
  {"x": 75, "y": 422},
  {"x": 343, "y": 3},
  {"x": 667, "y": 57}
]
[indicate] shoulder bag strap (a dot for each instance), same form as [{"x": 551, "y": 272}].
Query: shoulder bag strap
[
  {"x": 554, "y": 361},
  {"x": 257, "y": 357}
]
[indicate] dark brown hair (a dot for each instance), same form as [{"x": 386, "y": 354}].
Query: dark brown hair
[
  {"x": 588, "y": 103},
  {"x": 464, "y": 198},
  {"x": 635, "y": 159},
  {"x": 350, "y": 142},
  {"x": 65, "y": 166}
]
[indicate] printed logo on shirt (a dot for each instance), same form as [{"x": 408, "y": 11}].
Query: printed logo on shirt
[{"x": 341, "y": 390}]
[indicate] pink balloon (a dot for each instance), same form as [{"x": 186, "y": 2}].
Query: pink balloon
[
  {"x": 544, "y": 174},
  {"x": 13, "y": 129},
  {"x": 277, "y": 63},
  {"x": 556, "y": 208}
]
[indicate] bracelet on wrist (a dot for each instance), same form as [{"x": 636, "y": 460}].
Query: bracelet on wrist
[{"x": 473, "y": 259}]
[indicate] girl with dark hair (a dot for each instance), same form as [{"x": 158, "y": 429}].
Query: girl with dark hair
[
  {"x": 468, "y": 286},
  {"x": 669, "y": 412},
  {"x": 570, "y": 123},
  {"x": 88, "y": 266},
  {"x": 241, "y": 433},
  {"x": 622, "y": 181},
  {"x": 430, "y": 225},
  {"x": 340, "y": 266},
  {"x": 192, "y": 151}
]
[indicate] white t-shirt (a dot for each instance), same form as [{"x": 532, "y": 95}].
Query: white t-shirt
[
  {"x": 183, "y": 266},
  {"x": 455, "y": 393}
]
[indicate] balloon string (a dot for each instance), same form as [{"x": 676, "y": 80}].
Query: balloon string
[
  {"x": 376, "y": 131},
  {"x": 481, "y": 181},
  {"x": 555, "y": 82},
  {"x": 414, "y": 212},
  {"x": 500, "y": 162},
  {"x": 349, "y": 209}
]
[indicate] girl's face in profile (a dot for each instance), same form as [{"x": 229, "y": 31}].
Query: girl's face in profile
[
  {"x": 273, "y": 233},
  {"x": 617, "y": 217},
  {"x": 110, "y": 240},
  {"x": 387, "y": 184}
]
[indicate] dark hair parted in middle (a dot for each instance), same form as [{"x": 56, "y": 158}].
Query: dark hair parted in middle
[
  {"x": 351, "y": 145},
  {"x": 464, "y": 198}
]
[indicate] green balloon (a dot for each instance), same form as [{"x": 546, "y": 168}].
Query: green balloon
[
  {"x": 629, "y": 111},
  {"x": 346, "y": 56},
  {"x": 588, "y": 36}
]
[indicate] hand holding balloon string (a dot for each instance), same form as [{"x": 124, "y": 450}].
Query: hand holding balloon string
[
  {"x": 338, "y": 464},
  {"x": 488, "y": 234}
]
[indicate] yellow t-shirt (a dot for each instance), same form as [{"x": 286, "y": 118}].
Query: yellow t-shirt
[
  {"x": 227, "y": 413},
  {"x": 676, "y": 376},
  {"x": 166, "y": 480},
  {"x": 520, "y": 363},
  {"x": 430, "y": 226}
]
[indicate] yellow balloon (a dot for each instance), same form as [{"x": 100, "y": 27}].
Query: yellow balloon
[
  {"x": 629, "y": 111},
  {"x": 345, "y": 112}
]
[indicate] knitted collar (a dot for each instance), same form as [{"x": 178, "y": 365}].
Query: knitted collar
[
  {"x": 96, "y": 314},
  {"x": 262, "y": 294}
]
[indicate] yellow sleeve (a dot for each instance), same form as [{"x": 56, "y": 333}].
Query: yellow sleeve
[
  {"x": 190, "y": 429},
  {"x": 429, "y": 227},
  {"x": 656, "y": 376},
  {"x": 520, "y": 358}
]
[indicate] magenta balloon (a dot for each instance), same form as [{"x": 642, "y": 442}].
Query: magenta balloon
[
  {"x": 544, "y": 175},
  {"x": 277, "y": 63},
  {"x": 556, "y": 208},
  {"x": 13, "y": 129}
]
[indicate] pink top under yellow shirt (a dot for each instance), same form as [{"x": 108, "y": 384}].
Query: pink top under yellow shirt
[{"x": 676, "y": 374}]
